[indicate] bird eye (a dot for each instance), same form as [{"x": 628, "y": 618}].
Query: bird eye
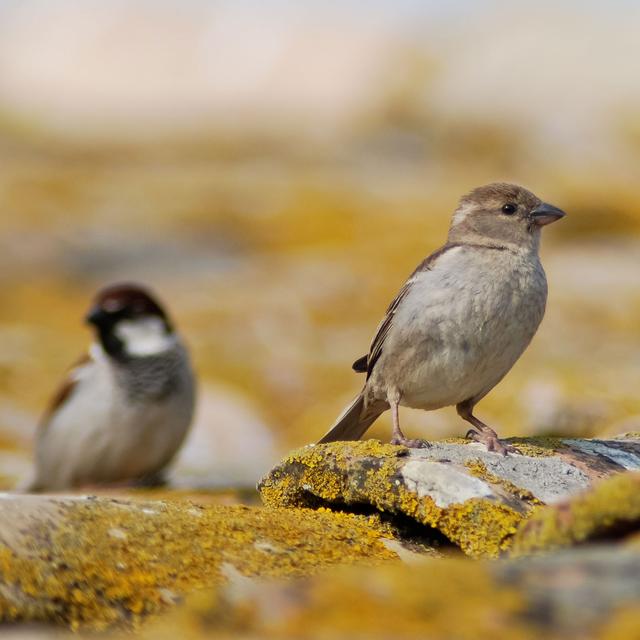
[{"x": 509, "y": 208}]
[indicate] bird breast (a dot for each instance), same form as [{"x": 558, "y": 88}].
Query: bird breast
[
  {"x": 462, "y": 326},
  {"x": 104, "y": 433}
]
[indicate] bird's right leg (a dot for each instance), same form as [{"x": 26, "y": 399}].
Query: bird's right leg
[
  {"x": 482, "y": 432},
  {"x": 393, "y": 398}
]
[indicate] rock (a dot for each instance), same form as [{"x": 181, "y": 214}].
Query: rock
[
  {"x": 228, "y": 444},
  {"x": 28, "y": 632},
  {"x": 610, "y": 510},
  {"x": 17, "y": 426},
  {"x": 358, "y": 562},
  {"x": 476, "y": 498},
  {"x": 575, "y": 589},
  {"x": 586, "y": 593},
  {"x": 549, "y": 407},
  {"x": 95, "y": 563},
  {"x": 15, "y": 467}
]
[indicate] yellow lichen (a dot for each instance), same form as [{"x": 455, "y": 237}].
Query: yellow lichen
[
  {"x": 456, "y": 440},
  {"x": 612, "y": 507},
  {"x": 624, "y": 624},
  {"x": 480, "y": 527},
  {"x": 106, "y": 562},
  {"x": 538, "y": 446},
  {"x": 394, "y": 601},
  {"x": 307, "y": 467},
  {"x": 478, "y": 469}
]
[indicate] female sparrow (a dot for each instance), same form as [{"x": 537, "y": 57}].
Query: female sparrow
[{"x": 462, "y": 319}]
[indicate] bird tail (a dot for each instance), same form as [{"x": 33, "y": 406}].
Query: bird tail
[{"x": 352, "y": 423}]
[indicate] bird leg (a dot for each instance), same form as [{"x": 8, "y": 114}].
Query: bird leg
[
  {"x": 482, "y": 432},
  {"x": 398, "y": 437}
]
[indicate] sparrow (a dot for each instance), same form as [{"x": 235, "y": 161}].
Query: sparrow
[
  {"x": 461, "y": 320},
  {"x": 125, "y": 408}
]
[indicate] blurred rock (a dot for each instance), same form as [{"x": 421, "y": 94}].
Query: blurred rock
[
  {"x": 610, "y": 510},
  {"x": 550, "y": 409},
  {"x": 17, "y": 426},
  {"x": 94, "y": 563},
  {"x": 228, "y": 446},
  {"x": 584, "y": 593},
  {"x": 30, "y": 632},
  {"x": 15, "y": 468},
  {"x": 575, "y": 591},
  {"x": 476, "y": 498}
]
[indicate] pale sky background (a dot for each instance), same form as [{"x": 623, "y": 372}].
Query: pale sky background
[{"x": 564, "y": 72}]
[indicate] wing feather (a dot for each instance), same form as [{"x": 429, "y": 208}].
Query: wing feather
[
  {"x": 65, "y": 390},
  {"x": 377, "y": 344},
  {"x": 367, "y": 363}
]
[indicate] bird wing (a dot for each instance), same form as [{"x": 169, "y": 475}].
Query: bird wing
[
  {"x": 366, "y": 363},
  {"x": 375, "y": 351},
  {"x": 65, "y": 390}
]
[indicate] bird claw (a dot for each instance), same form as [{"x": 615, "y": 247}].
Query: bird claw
[
  {"x": 490, "y": 439},
  {"x": 410, "y": 443}
]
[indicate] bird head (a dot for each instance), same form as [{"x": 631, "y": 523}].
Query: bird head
[
  {"x": 130, "y": 322},
  {"x": 502, "y": 213}
]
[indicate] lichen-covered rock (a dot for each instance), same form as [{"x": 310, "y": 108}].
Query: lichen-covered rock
[
  {"x": 98, "y": 562},
  {"x": 610, "y": 510},
  {"x": 590, "y": 594},
  {"x": 476, "y": 498}
]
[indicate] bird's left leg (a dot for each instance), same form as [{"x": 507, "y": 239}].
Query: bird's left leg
[
  {"x": 482, "y": 432},
  {"x": 393, "y": 398}
]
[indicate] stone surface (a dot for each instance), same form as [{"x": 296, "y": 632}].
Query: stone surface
[
  {"x": 574, "y": 589},
  {"x": 476, "y": 498},
  {"x": 547, "y": 476},
  {"x": 372, "y": 557},
  {"x": 228, "y": 444},
  {"x": 588, "y": 593},
  {"x": 610, "y": 510},
  {"x": 93, "y": 562}
]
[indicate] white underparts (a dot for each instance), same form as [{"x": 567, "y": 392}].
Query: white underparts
[{"x": 144, "y": 336}]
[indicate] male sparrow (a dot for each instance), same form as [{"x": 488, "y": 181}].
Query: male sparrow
[
  {"x": 461, "y": 320},
  {"x": 126, "y": 407}
]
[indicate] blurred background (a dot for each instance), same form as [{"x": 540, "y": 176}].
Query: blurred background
[{"x": 275, "y": 170}]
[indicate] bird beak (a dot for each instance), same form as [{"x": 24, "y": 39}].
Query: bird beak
[
  {"x": 95, "y": 316},
  {"x": 545, "y": 214}
]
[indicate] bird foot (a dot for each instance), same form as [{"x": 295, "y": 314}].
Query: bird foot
[
  {"x": 490, "y": 439},
  {"x": 411, "y": 444}
]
